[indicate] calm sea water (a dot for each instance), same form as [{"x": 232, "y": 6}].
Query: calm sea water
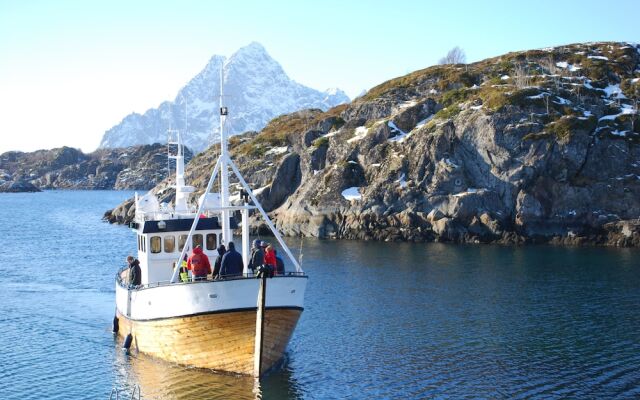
[{"x": 382, "y": 320}]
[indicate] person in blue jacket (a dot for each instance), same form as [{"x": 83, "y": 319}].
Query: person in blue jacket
[{"x": 232, "y": 264}]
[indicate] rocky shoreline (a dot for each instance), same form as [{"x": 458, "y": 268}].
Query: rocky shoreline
[
  {"x": 137, "y": 167},
  {"x": 540, "y": 146}
]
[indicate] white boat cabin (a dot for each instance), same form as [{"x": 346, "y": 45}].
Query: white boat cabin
[{"x": 160, "y": 243}]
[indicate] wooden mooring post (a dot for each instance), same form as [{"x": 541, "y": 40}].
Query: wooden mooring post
[{"x": 257, "y": 354}]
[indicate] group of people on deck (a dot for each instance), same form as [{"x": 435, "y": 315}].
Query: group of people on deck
[{"x": 228, "y": 263}]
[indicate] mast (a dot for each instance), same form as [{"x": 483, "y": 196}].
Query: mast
[
  {"x": 182, "y": 190},
  {"x": 224, "y": 168}
]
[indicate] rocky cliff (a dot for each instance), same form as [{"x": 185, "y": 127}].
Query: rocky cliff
[
  {"x": 139, "y": 167},
  {"x": 256, "y": 88},
  {"x": 534, "y": 146}
]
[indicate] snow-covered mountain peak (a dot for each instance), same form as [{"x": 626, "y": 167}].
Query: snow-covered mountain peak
[
  {"x": 253, "y": 47},
  {"x": 333, "y": 91},
  {"x": 256, "y": 88},
  {"x": 253, "y": 57}
]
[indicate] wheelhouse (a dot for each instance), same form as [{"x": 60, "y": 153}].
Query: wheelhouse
[{"x": 160, "y": 243}]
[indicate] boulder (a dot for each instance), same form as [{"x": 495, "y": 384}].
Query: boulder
[{"x": 19, "y": 186}]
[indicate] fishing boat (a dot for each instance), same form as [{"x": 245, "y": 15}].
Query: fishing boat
[{"x": 240, "y": 324}]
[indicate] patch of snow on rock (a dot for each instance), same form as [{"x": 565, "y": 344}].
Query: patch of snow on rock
[
  {"x": 400, "y": 136},
  {"x": 402, "y": 181},
  {"x": 538, "y": 96},
  {"x": 566, "y": 65},
  {"x": 277, "y": 150},
  {"x": 260, "y": 190},
  {"x": 615, "y": 91},
  {"x": 469, "y": 191},
  {"x": 598, "y": 58},
  {"x": 360, "y": 133},
  {"x": 626, "y": 109},
  {"x": 451, "y": 163},
  {"x": 408, "y": 104},
  {"x": 352, "y": 193},
  {"x": 332, "y": 133},
  {"x": 562, "y": 101},
  {"x": 424, "y": 122}
]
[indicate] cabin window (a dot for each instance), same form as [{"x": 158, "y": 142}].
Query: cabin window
[
  {"x": 211, "y": 241},
  {"x": 156, "y": 244},
  {"x": 197, "y": 240},
  {"x": 169, "y": 244},
  {"x": 144, "y": 243},
  {"x": 182, "y": 239},
  {"x": 139, "y": 248}
]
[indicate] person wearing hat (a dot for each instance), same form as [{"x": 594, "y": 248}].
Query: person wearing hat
[
  {"x": 199, "y": 264},
  {"x": 257, "y": 255}
]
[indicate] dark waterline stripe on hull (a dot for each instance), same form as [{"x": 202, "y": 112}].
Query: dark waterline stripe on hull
[{"x": 231, "y": 310}]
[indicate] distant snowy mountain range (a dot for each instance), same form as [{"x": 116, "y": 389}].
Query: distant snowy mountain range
[{"x": 256, "y": 90}]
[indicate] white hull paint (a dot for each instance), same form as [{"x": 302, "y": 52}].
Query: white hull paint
[{"x": 186, "y": 299}]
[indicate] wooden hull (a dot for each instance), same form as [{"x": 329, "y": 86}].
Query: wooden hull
[{"x": 222, "y": 341}]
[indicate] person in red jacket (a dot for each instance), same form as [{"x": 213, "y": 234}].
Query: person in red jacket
[
  {"x": 199, "y": 264},
  {"x": 270, "y": 257}
]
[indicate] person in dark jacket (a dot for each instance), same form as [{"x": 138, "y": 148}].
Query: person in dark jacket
[
  {"x": 279, "y": 264},
  {"x": 135, "y": 277},
  {"x": 199, "y": 264},
  {"x": 218, "y": 263},
  {"x": 232, "y": 264},
  {"x": 257, "y": 256}
]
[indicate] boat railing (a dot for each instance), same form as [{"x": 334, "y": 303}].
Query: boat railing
[{"x": 121, "y": 279}]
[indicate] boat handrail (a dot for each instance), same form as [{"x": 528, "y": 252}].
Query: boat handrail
[
  {"x": 158, "y": 215},
  {"x": 124, "y": 285}
]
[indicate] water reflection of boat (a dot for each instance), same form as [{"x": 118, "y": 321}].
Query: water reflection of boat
[
  {"x": 157, "y": 379},
  {"x": 161, "y": 380},
  {"x": 238, "y": 323}
]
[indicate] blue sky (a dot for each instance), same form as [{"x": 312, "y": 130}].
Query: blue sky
[{"x": 69, "y": 70}]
